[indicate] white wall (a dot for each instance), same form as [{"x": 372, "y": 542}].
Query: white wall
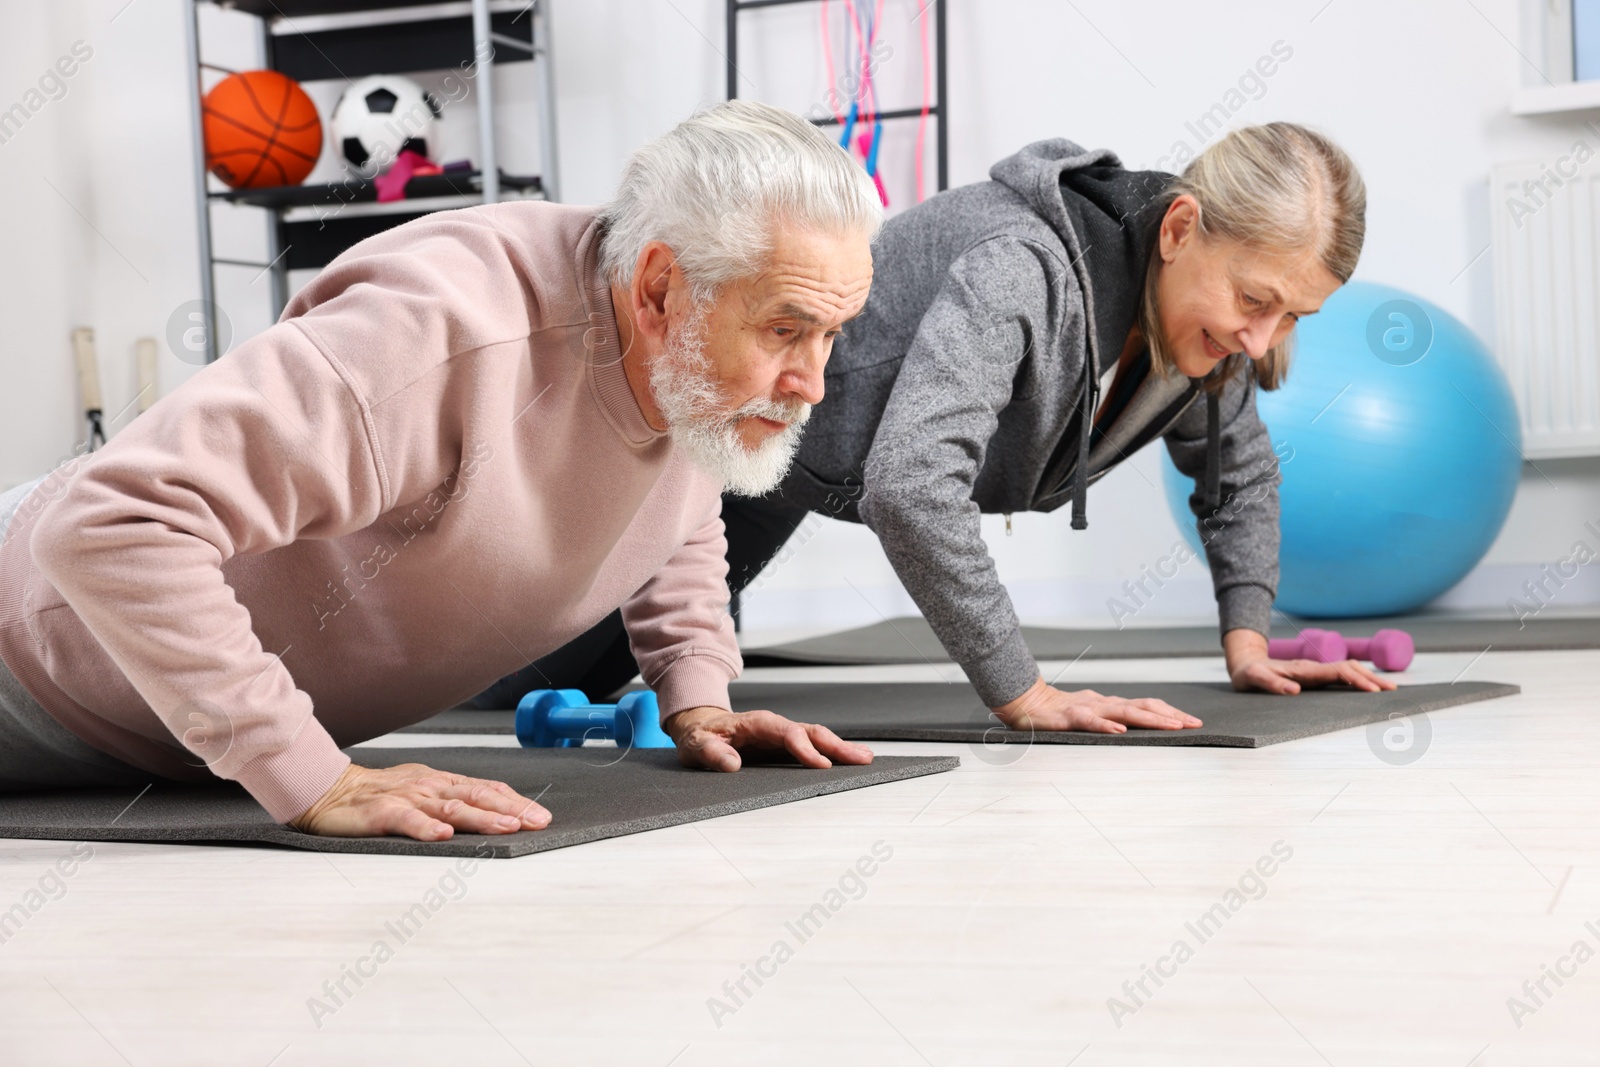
[{"x": 1417, "y": 92}]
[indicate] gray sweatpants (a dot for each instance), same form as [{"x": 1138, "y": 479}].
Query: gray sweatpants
[{"x": 35, "y": 750}]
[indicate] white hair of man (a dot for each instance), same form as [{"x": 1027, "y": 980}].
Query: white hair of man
[{"x": 713, "y": 188}]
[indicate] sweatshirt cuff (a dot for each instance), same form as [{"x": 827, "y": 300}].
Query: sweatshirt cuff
[
  {"x": 289, "y": 781},
  {"x": 695, "y": 680},
  {"x": 1005, "y": 672},
  {"x": 1245, "y": 607}
]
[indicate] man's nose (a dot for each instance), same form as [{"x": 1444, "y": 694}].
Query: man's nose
[{"x": 802, "y": 377}]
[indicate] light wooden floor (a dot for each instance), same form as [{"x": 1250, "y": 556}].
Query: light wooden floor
[{"x": 1019, "y": 897}]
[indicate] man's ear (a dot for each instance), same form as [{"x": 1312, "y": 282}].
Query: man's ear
[{"x": 652, "y": 282}]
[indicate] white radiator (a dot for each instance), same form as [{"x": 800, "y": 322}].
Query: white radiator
[{"x": 1547, "y": 299}]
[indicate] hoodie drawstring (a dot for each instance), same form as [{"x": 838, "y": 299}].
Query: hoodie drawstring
[
  {"x": 1213, "y": 453},
  {"x": 1080, "y": 476}
]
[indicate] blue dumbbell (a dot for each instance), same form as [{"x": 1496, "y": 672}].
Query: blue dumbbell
[{"x": 564, "y": 718}]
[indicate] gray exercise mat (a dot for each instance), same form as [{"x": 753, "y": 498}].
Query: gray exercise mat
[
  {"x": 465, "y": 721},
  {"x": 939, "y": 711},
  {"x": 911, "y": 640},
  {"x": 593, "y": 793}
]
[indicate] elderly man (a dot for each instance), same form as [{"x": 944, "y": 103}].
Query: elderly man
[{"x": 468, "y": 440}]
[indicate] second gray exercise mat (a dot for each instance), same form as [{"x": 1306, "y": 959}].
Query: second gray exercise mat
[
  {"x": 591, "y": 793},
  {"x": 911, "y": 640},
  {"x": 938, "y": 711}
]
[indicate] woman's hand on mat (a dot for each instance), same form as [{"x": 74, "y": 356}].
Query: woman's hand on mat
[
  {"x": 1251, "y": 667},
  {"x": 412, "y": 800},
  {"x": 715, "y": 738},
  {"x": 1044, "y": 707},
  {"x": 1289, "y": 676}
]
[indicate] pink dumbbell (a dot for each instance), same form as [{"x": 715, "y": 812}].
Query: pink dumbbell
[{"x": 1389, "y": 650}]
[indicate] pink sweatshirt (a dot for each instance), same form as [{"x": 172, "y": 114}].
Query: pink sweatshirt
[{"x": 431, "y": 472}]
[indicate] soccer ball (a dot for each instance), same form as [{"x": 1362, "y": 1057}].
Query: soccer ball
[{"x": 379, "y": 117}]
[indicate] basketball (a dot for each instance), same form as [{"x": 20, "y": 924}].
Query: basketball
[{"x": 261, "y": 129}]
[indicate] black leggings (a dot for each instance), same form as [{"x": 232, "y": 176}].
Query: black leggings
[{"x": 600, "y": 662}]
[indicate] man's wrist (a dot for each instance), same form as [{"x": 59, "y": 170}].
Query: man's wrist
[
  {"x": 684, "y": 719},
  {"x": 304, "y": 821}
]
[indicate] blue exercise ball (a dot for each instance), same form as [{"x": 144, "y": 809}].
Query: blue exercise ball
[{"x": 1400, "y": 449}]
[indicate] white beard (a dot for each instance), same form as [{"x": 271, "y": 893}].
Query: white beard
[{"x": 680, "y": 382}]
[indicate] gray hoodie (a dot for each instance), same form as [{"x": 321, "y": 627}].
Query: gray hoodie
[{"x": 969, "y": 384}]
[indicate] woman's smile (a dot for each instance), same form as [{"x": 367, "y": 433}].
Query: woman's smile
[{"x": 1217, "y": 351}]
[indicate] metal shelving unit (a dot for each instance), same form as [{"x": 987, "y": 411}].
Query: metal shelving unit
[
  {"x": 313, "y": 40},
  {"x": 938, "y": 110}
]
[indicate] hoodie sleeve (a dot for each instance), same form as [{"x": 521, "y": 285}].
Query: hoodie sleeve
[
  {"x": 255, "y": 451},
  {"x": 1240, "y": 535},
  {"x": 958, "y": 374},
  {"x": 679, "y": 627}
]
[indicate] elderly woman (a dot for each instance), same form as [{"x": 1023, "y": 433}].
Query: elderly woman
[
  {"x": 310, "y": 542},
  {"x": 1027, "y": 334}
]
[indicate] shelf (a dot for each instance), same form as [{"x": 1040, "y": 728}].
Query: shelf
[
  {"x": 318, "y": 222},
  {"x": 1554, "y": 99},
  {"x": 290, "y": 9},
  {"x": 410, "y": 205},
  {"x": 403, "y": 47},
  {"x": 312, "y": 243},
  {"x": 425, "y": 186}
]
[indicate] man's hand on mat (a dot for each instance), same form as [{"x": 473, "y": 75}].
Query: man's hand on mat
[
  {"x": 1251, "y": 668},
  {"x": 416, "y": 801},
  {"x": 713, "y": 738},
  {"x": 1044, "y": 707}
]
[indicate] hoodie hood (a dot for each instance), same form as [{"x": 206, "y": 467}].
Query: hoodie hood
[{"x": 1108, "y": 218}]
